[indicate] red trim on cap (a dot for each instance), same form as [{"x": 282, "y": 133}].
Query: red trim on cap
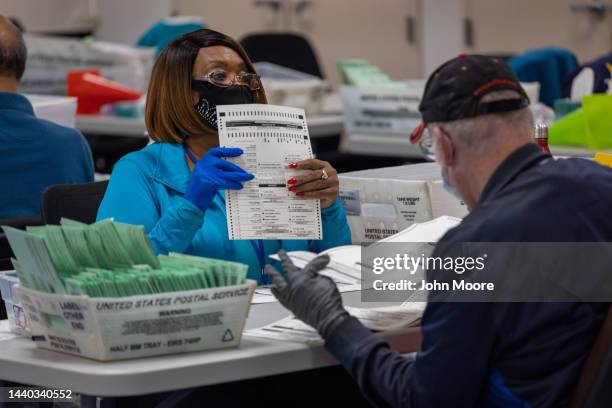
[
  {"x": 416, "y": 134},
  {"x": 493, "y": 83}
]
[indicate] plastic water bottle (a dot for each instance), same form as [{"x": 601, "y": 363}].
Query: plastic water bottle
[{"x": 541, "y": 137}]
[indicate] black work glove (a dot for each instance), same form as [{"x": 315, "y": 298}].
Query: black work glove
[{"x": 311, "y": 297}]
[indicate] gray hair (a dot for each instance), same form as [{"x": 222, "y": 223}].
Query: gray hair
[
  {"x": 479, "y": 132},
  {"x": 13, "y": 53}
]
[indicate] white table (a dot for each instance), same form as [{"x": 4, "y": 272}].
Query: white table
[
  {"x": 567, "y": 151},
  {"x": 318, "y": 126},
  {"x": 382, "y": 145},
  {"x": 21, "y": 361},
  {"x": 328, "y": 123}
]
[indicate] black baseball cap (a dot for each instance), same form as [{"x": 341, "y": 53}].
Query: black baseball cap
[{"x": 454, "y": 91}]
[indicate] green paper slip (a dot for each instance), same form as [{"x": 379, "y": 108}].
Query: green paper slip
[{"x": 109, "y": 259}]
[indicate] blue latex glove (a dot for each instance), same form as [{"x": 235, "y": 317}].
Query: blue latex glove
[{"x": 211, "y": 173}]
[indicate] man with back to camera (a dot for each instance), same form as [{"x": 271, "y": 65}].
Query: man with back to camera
[
  {"x": 478, "y": 354},
  {"x": 35, "y": 153}
]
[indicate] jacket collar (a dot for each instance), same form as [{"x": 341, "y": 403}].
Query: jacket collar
[
  {"x": 14, "y": 101},
  {"x": 517, "y": 162},
  {"x": 171, "y": 168}
]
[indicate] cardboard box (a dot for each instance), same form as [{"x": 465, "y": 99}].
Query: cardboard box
[
  {"x": 137, "y": 326},
  {"x": 382, "y": 202}
]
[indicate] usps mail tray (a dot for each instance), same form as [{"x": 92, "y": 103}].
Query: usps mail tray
[{"x": 108, "y": 329}]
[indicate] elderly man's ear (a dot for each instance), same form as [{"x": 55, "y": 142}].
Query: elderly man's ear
[{"x": 444, "y": 148}]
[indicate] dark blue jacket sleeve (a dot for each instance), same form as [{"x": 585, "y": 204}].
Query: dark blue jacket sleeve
[{"x": 452, "y": 368}]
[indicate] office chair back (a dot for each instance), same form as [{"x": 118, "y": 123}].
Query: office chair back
[
  {"x": 286, "y": 49},
  {"x": 78, "y": 202},
  {"x": 594, "y": 387},
  {"x": 6, "y": 252}
]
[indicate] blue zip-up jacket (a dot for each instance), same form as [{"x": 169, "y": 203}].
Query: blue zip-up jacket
[
  {"x": 35, "y": 154},
  {"x": 548, "y": 66},
  {"x": 147, "y": 187},
  {"x": 498, "y": 354}
]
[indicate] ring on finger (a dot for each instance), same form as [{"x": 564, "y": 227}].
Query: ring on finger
[{"x": 324, "y": 175}]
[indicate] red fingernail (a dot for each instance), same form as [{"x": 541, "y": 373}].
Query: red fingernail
[
  {"x": 293, "y": 165},
  {"x": 300, "y": 193},
  {"x": 292, "y": 188},
  {"x": 292, "y": 181}
]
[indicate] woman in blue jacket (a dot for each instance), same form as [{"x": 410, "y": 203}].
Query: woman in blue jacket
[{"x": 175, "y": 186}]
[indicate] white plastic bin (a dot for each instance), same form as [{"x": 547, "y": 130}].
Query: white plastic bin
[
  {"x": 57, "y": 109},
  {"x": 382, "y": 202},
  {"x": 137, "y": 326},
  {"x": 288, "y": 87},
  {"x": 50, "y": 58},
  {"x": 533, "y": 91}
]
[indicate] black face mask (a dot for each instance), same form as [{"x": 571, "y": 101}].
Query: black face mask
[{"x": 213, "y": 95}]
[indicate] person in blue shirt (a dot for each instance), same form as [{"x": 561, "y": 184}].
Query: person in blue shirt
[
  {"x": 517, "y": 351},
  {"x": 35, "y": 153},
  {"x": 175, "y": 186}
]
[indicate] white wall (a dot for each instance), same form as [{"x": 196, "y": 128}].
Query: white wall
[
  {"x": 512, "y": 26},
  {"x": 442, "y": 32},
  {"x": 53, "y": 16},
  {"x": 125, "y": 20},
  {"x": 337, "y": 29}
]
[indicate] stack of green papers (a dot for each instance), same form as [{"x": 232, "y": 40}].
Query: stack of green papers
[
  {"x": 178, "y": 273},
  {"x": 110, "y": 259},
  {"x": 359, "y": 72},
  {"x": 60, "y": 254}
]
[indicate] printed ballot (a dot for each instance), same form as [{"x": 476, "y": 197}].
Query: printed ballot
[
  {"x": 271, "y": 137},
  {"x": 380, "y": 319},
  {"x": 343, "y": 269}
]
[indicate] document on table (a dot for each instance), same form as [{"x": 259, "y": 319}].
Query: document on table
[
  {"x": 347, "y": 278},
  {"x": 343, "y": 269},
  {"x": 271, "y": 138},
  {"x": 288, "y": 329},
  {"x": 380, "y": 319},
  {"x": 389, "y": 317}
]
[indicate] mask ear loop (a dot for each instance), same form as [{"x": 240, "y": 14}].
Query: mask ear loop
[
  {"x": 450, "y": 142},
  {"x": 427, "y": 145}
]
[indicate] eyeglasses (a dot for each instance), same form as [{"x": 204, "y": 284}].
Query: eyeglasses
[{"x": 224, "y": 79}]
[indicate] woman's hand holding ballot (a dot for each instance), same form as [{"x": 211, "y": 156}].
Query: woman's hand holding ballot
[
  {"x": 212, "y": 172},
  {"x": 320, "y": 181}
]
